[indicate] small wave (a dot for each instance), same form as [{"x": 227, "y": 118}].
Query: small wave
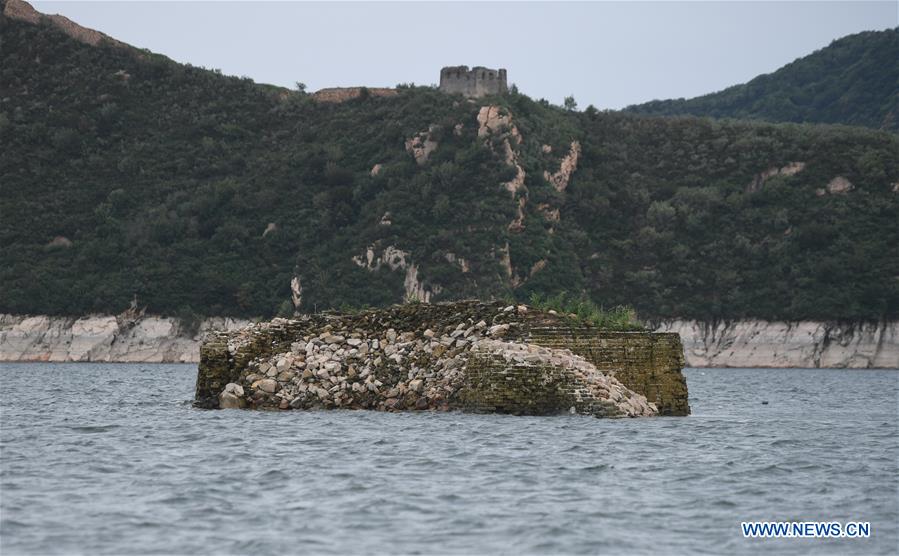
[
  {"x": 103, "y": 469},
  {"x": 174, "y": 500},
  {"x": 112, "y": 475},
  {"x": 785, "y": 442},
  {"x": 274, "y": 475},
  {"x": 600, "y": 467},
  {"x": 92, "y": 429}
]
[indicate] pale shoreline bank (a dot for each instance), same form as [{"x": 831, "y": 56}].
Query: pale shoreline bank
[{"x": 747, "y": 343}]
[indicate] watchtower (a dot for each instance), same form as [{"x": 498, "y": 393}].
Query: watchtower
[{"x": 473, "y": 83}]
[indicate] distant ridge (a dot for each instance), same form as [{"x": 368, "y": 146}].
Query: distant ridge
[
  {"x": 853, "y": 81},
  {"x": 23, "y": 11}
]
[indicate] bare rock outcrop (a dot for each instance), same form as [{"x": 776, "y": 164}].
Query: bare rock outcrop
[
  {"x": 421, "y": 145},
  {"x": 60, "y": 241},
  {"x": 23, "y": 11},
  {"x": 790, "y": 169},
  {"x": 537, "y": 267},
  {"x": 296, "y": 292},
  {"x": 397, "y": 259},
  {"x": 549, "y": 213},
  {"x": 839, "y": 185},
  {"x": 452, "y": 258},
  {"x": 560, "y": 179},
  {"x": 497, "y": 121},
  {"x": 495, "y": 125},
  {"x": 505, "y": 262}
]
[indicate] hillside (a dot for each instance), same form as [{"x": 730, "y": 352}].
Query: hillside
[
  {"x": 125, "y": 174},
  {"x": 853, "y": 81}
]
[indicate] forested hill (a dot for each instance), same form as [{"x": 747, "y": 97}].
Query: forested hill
[
  {"x": 124, "y": 174},
  {"x": 854, "y": 81}
]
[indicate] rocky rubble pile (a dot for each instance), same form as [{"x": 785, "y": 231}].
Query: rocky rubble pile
[{"x": 342, "y": 366}]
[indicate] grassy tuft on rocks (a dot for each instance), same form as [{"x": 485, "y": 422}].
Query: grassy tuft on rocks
[{"x": 583, "y": 310}]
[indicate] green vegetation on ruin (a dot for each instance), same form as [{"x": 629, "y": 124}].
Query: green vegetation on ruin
[
  {"x": 621, "y": 318},
  {"x": 165, "y": 177}
]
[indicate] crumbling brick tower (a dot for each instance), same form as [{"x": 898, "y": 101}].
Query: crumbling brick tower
[{"x": 474, "y": 83}]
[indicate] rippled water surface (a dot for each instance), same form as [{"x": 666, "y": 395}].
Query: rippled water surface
[{"x": 113, "y": 459}]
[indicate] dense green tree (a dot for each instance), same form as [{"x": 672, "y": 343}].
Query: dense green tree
[
  {"x": 123, "y": 173},
  {"x": 853, "y": 81}
]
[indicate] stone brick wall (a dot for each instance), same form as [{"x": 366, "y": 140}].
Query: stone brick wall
[
  {"x": 343, "y": 94},
  {"x": 494, "y": 385},
  {"x": 474, "y": 83},
  {"x": 646, "y": 363},
  {"x": 220, "y": 364}
]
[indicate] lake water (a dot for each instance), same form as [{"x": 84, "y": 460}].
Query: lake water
[{"x": 113, "y": 459}]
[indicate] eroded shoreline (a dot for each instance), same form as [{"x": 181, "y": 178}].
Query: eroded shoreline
[{"x": 747, "y": 343}]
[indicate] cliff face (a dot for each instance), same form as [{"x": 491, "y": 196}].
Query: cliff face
[
  {"x": 104, "y": 338},
  {"x": 754, "y": 343},
  {"x": 737, "y": 344}
]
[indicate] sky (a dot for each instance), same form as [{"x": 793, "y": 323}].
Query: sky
[{"x": 609, "y": 54}]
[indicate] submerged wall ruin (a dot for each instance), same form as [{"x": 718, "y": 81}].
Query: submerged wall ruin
[{"x": 469, "y": 356}]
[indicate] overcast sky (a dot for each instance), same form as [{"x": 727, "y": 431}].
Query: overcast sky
[{"x": 609, "y": 54}]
